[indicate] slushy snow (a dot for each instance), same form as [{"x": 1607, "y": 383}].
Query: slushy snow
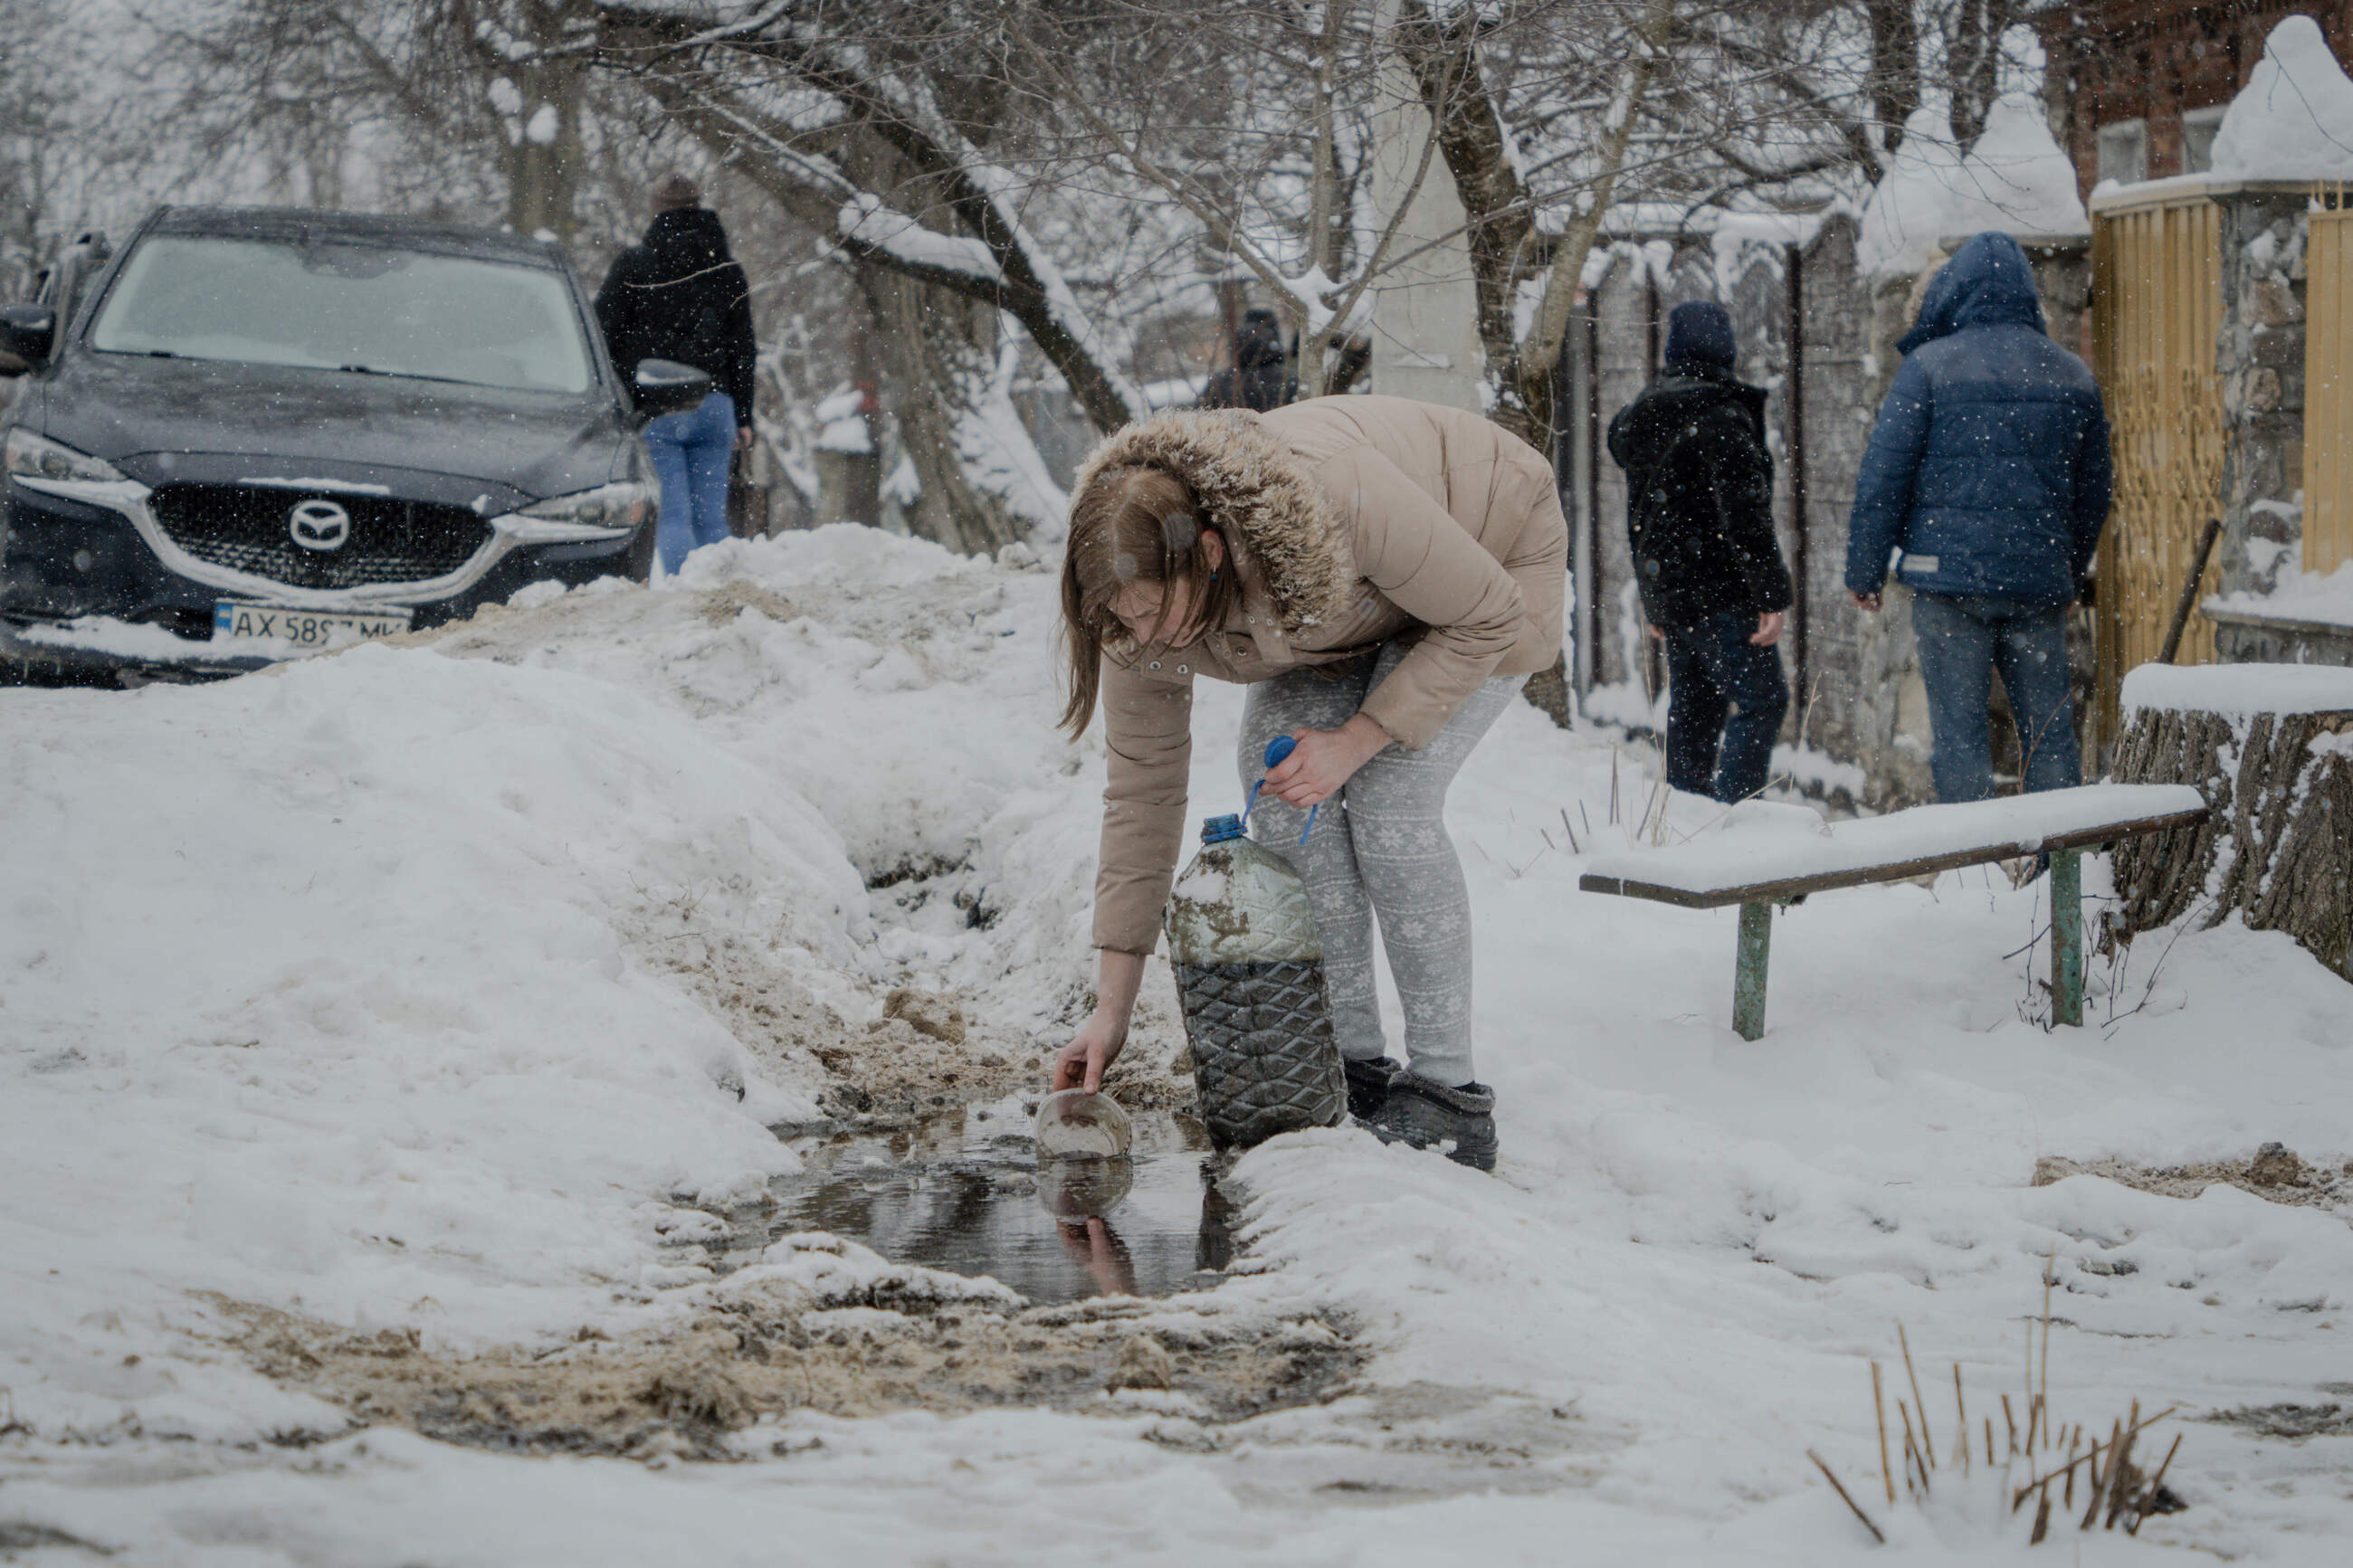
[{"x": 340, "y": 990}]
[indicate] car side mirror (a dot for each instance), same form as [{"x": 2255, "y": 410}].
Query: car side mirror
[
  {"x": 665, "y": 386},
  {"x": 28, "y": 333}
]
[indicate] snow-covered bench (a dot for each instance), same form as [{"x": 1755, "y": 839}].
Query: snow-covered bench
[{"x": 1763, "y": 854}]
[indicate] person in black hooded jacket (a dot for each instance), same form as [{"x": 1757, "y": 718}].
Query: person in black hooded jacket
[
  {"x": 681, "y": 296},
  {"x": 1698, "y": 515},
  {"x": 1260, "y": 378}
]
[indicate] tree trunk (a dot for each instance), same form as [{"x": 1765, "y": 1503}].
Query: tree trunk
[
  {"x": 1894, "y": 67},
  {"x": 542, "y": 158},
  {"x": 2278, "y": 849},
  {"x": 939, "y": 353}
]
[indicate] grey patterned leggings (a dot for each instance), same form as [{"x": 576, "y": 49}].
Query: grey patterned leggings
[{"x": 1380, "y": 847}]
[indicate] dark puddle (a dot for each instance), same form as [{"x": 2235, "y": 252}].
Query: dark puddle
[{"x": 966, "y": 1192}]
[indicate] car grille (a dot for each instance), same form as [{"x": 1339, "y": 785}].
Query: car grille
[{"x": 247, "y": 530}]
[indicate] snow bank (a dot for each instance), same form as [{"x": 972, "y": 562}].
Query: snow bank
[
  {"x": 319, "y": 991},
  {"x": 337, "y": 984},
  {"x": 2293, "y": 119},
  {"x": 2240, "y": 688},
  {"x": 2015, "y": 179}
]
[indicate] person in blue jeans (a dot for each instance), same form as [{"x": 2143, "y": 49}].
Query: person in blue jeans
[
  {"x": 681, "y": 296},
  {"x": 692, "y": 453},
  {"x": 1988, "y": 472},
  {"x": 1699, "y": 520}
]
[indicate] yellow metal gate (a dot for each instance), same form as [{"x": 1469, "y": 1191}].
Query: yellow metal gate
[
  {"x": 2327, "y": 396},
  {"x": 2157, "y": 302}
]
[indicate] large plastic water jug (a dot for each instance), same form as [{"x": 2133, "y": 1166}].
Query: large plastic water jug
[{"x": 1249, "y": 977}]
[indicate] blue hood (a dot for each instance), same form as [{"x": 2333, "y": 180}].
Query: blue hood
[{"x": 1987, "y": 283}]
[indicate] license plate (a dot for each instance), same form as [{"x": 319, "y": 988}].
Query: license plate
[{"x": 237, "y": 621}]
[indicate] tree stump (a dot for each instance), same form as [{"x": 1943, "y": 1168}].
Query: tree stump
[{"x": 2277, "y": 849}]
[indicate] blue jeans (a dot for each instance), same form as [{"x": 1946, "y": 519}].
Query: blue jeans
[
  {"x": 691, "y": 453},
  {"x": 1963, "y": 641},
  {"x": 1723, "y": 693}
]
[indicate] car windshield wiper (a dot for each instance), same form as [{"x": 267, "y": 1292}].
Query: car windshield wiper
[{"x": 402, "y": 374}]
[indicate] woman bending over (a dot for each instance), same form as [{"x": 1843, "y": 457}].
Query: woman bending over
[{"x": 1383, "y": 575}]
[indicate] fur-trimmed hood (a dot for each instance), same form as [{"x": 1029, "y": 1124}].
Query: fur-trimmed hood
[{"x": 1286, "y": 536}]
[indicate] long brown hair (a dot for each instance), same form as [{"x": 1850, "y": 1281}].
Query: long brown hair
[{"x": 1134, "y": 524}]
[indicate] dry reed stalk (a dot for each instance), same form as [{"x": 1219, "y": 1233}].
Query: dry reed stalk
[
  {"x": 1912, "y": 1459},
  {"x": 2010, "y": 1421},
  {"x": 2033, "y": 1418},
  {"x": 2074, "y": 1438},
  {"x": 1843, "y": 1498},
  {"x": 2104, "y": 1477},
  {"x": 2050, "y": 1277},
  {"x": 1879, "y": 1408},
  {"x": 1988, "y": 1427},
  {"x": 1569, "y": 830},
  {"x": 1963, "y": 1440},
  {"x": 2091, "y": 1456},
  {"x": 2120, "y": 1488},
  {"x": 2042, "y": 1521},
  {"x": 2149, "y": 1497},
  {"x": 1928, "y": 1444}
]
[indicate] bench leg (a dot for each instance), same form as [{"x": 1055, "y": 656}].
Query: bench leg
[
  {"x": 2067, "y": 935},
  {"x": 1748, "y": 972}
]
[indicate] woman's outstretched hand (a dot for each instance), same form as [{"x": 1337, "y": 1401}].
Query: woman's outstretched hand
[
  {"x": 1323, "y": 761},
  {"x": 1118, "y": 977},
  {"x": 1090, "y": 1053}
]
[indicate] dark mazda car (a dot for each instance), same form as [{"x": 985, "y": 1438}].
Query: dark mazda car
[{"x": 256, "y": 432}]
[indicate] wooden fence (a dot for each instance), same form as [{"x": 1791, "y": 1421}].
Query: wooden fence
[
  {"x": 2327, "y": 396},
  {"x": 2156, "y": 292}
]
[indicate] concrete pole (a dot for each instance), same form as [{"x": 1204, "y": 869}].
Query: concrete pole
[{"x": 1426, "y": 316}]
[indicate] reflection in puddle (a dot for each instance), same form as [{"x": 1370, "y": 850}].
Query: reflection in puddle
[{"x": 966, "y": 1192}]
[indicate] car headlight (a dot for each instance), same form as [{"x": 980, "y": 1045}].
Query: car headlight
[
  {"x": 29, "y": 457},
  {"x": 607, "y": 512}
]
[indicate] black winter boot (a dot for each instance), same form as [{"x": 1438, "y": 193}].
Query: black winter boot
[
  {"x": 1460, "y": 1122},
  {"x": 1368, "y": 1085}
]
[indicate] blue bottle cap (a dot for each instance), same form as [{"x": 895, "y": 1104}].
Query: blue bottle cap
[{"x": 1217, "y": 829}]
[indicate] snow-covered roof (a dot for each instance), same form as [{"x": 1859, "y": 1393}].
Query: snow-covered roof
[{"x": 2294, "y": 120}]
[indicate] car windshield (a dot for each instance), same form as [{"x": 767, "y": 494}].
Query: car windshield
[{"x": 361, "y": 308}]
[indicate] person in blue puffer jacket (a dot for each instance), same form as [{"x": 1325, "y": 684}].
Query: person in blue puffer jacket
[{"x": 1988, "y": 471}]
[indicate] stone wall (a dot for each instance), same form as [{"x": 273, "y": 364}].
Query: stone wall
[{"x": 2259, "y": 354}]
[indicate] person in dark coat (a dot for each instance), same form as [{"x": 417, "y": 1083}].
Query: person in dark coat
[
  {"x": 1260, "y": 377},
  {"x": 1699, "y": 516},
  {"x": 1989, "y": 472},
  {"x": 681, "y": 296}
]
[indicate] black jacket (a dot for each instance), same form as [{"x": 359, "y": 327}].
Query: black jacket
[
  {"x": 1261, "y": 379},
  {"x": 1699, "y": 498},
  {"x": 680, "y": 296}
]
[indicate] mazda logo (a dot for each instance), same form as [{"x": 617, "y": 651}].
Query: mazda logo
[{"x": 319, "y": 525}]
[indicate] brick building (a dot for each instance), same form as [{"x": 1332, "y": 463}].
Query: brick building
[{"x": 2140, "y": 85}]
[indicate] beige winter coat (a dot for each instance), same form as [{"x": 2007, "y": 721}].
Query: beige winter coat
[{"x": 1351, "y": 520}]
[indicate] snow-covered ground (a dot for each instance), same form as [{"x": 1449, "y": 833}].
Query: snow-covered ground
[{"x": 429, "y": 987}]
